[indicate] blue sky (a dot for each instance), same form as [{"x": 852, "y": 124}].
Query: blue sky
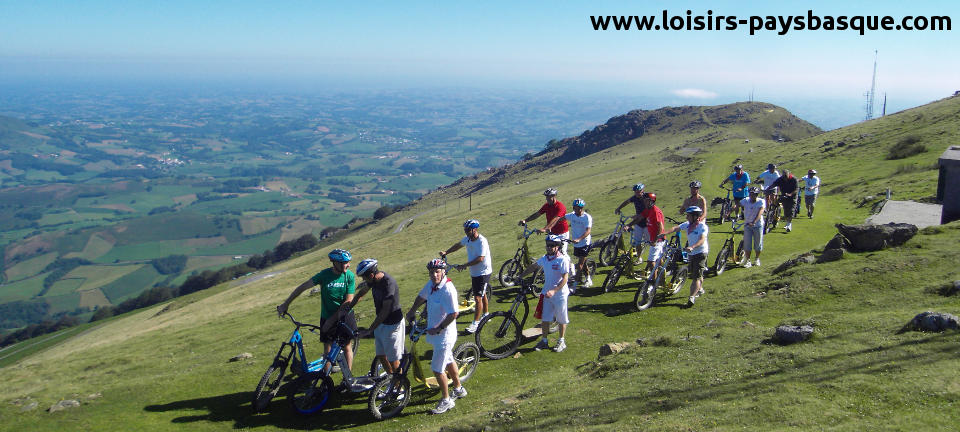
[{"x": 550, "y": 44}]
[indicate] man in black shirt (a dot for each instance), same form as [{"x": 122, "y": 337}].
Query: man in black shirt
[
  {"x": 789, "y": 186},
  {"x": 388, "y": 326},
  {"x": 638, "y": 221}
]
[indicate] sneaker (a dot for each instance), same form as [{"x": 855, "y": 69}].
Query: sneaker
[
  {"x": 757, "y": 263},
  {"x": 691, "y": 301},
  {"x": 542, "y": 345},
  {"x": 743, "y": 262},
  {"x": 472, "y": 328},
  {"x": 443, "y": 406},
  {"x": 486, "y": 314},
  {"x": 788, "y": 227},
  {"x": 747, "y": 264},
  {"x": 458, "y": 393},
  {"x": 589, "y": 282},
  {"x": 561, "y": 345}
]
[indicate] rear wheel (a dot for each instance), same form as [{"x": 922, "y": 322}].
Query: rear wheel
[
  {"x": 508, "y": 273},
  {"x": 498, "y": 335},
  {"x": 376, "y": 369},
  {"x": 467, "y": 357},
  {"x": 538, "y": 280},
  {"x": 721, "y": 263},
  {"x": 388, "y": 397},
  {"x": 725, "y": 211},
  {"x": 643, "y": 299},
  {"x": 310, "y": 393},
  {"x": 739, "y": 255},
  {"x": 268, "y": 386},
  {"x": 610, "y": 282}
]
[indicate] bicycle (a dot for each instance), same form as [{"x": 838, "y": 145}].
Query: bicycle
[
  {"x": 611, "y": 246},
  {"x": 727, "y": 250},
  {"x": 772, "y": 215},
  {"x": 468, "y": 303},
  {"x": 670, "y": 263},
  {"x": 726, "y": 207},
  {"x": 623, "y": 264},
  {"x": 511, "y": 269},
  {"x": 391, "y": 393},
  {"x": 589, "y": 264},
  {"x": 499, "y": 334}
]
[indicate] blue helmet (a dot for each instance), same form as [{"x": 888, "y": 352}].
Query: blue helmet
[
  {"x": 367, "y": 265},
  {"x": 472, "y": 223},
  {"x": 579, "y": 203},
  {"x": 638, "y": 187},
  {"x": 340, "y": 255}
]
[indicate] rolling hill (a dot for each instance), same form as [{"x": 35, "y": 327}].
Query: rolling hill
[{"x": 709, "y": 367}]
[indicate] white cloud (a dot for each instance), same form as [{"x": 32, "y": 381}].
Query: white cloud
[{"x": 694, "y": 93}]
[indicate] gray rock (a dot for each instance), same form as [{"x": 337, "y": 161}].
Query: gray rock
[
  {"x": 241, "y": 356},
  {"x": 29, "y": 406},
  {"x": 830, "y": 255},
  {"x": 806, "y": 258},
  {"x": 838, "y": 242},
  {"x": 613, "y": 348},
  {"x": 64, "y": 404},
  {"x": 934, "y": 321},
  {"x": 868, "y": 238},
  {"x": 792, "y": 334}
]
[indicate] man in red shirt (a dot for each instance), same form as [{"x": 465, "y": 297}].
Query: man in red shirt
[
  {"x": 555, "y": 212},
  {"x": 654, "y": 218}
]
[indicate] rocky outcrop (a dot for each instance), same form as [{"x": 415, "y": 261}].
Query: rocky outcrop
[
  {"x": 933, "y": 321},
  {"x": 787, "y": 334},
  {"x": 869, "y": 238},
  {"x": 806, "y": 258}
]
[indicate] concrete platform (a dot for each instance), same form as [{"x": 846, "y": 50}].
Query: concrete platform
[{"x": 919, "y": 214}]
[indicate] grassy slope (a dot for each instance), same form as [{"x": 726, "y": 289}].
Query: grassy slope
[{"x": 710, "y": 370}]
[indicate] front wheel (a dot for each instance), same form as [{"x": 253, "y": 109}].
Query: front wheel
[
  {"x": 498, "y": 335},
  {"x": 678, "y": 278},
  {"x": 739, "y": 255},
  {"x": 538, "y": 279},
  {"x": 610, "y": 282},
  {"x": 376, "y": 369},
  {"x": 310, "y": 393},
  {"x": 508, "y": 273},
  {"x": 643, "y": 299},
  {"x": 389, "y": 396},
  {"x": 467, "y": 357},
  {"x": 268, "y": 386},
  {"x": 721, "y": 263},
  {"x": 725, "y": 211},
  {"x": 608, "y": 253}
]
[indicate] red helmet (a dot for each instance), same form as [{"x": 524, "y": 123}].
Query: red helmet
[{"x": 652, "y": 196}]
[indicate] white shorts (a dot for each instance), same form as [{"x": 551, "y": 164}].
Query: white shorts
[
  {"x": 655, "y": 251},
  {"x": 442, "y": 353},
  {"x": 555, "y": 308},
  {"x": 639, "y": 235},
  {"x": 388, "y": 340},
  {"x": 563, "y": 247}
]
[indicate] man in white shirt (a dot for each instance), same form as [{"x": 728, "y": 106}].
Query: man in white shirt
[
  {"x": 811, "y": 188},
  {"x": 556, "y": 272},
  {"x": 767, "y": 178},
  {"x": 440, "y": 296},
  {"x": 481, "y": 267},
  {"x": 697, "y": 249},
  {"x": 753, "y": 208},
  {"x": 580, "y": 225}
]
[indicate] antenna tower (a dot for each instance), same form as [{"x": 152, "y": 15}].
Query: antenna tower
[{"x": 873, "y": 89}]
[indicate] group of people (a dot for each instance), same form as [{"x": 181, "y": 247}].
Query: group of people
[{"x": 339, "y": 292}]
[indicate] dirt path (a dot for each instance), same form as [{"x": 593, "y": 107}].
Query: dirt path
[{"x": 408, "y": 221}]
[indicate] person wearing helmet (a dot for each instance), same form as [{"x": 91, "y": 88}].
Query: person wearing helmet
[
  {"x": 388, "y": 326},
  {"x": 639, "y": 235},
  {"x": 337, "y": 286},
  {"x": 654, "y": 218},
  {"x": 554, "y": 210},
  {"x": 481, "y": 267},
  {"x": 580, "y": 225},
  {"x": 788, "y": 186},
  {"x": 811, "y": 188},
  {"x": 695, "y": 199},
  {"x": 697, "y": 249},
  {"x": 739, "y": 179},
  {"x": 440, "y": 297},
  {"x": 557, "y": 271},
  {"x": 753, "y": 208}
]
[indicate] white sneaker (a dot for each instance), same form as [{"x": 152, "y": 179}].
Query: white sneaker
[
  {"x": 747, "y": 264},
  {"x": 458, "y": 393},
  {"x": 589, "y": 282},
  {"x": 443, "y": 406},
  {"x": 561, "y": 345},
  {"x": 743, "y": 262},
  {"x": 788, "y": 227},
  {"x": 472, "y": 328},
  {"x": 757, "y": 263}
]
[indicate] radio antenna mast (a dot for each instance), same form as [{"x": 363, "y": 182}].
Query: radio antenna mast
[{"x": 873, "y": 89}]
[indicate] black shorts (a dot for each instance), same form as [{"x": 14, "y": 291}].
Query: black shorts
[
  {"x": 349, "y": 320},
  {"x": 581, "y": 251},
  {"x": 479, "y": 285},
  {"x": 787, "y": 202},
  {"x": 697, "y": 266}
]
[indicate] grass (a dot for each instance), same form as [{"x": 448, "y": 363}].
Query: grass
[
  {"x": 131, "y": 284},
  {"x": 706, "y": 368}
]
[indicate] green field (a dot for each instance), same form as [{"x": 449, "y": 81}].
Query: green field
[
  {"x": 131, "y": 284},
  {"x": 21, "y": 290},
  {"x": 30, "y": 267}
]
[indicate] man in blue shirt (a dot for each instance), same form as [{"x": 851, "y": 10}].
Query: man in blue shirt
[{"x": 740, "y": 180}]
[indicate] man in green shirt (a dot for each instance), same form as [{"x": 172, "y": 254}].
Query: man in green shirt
[{"x": 337, "y": 286}]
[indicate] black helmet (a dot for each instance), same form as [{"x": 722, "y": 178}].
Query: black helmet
[
  {"x": 771, "y": 166},
  {"x": 638, "y": 187},
  {"x": 696, "y": 184},
  {"x": 437, "y": 263},
  {"x": 738, "y": 167}
]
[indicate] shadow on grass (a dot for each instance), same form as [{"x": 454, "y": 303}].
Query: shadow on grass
[
  {"x": 344, "y": 411},
  {"x": 870, "y": 361}
]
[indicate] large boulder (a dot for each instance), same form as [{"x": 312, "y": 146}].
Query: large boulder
[
  {"x": 787, "y": 334},
  {"x": 933, "y": 321},
  {"x": 613, "y": 348},
  {"x": 868, "y": 238},
  {"x": 64, "y": 404},
  {"x": 830, "y": 255}
]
